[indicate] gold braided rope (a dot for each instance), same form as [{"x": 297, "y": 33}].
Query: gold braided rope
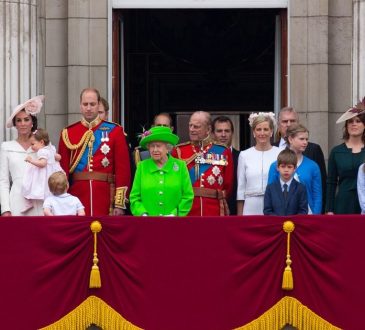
[
  {"x": 73, "y": 147},
  {"x": 289, "y": 310},
  {"x": 93, "y": 310}
]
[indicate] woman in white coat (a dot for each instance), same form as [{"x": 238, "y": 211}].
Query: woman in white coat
[
  {"x": 12, "y": 159},
  {"x": 254, "y": 163}
]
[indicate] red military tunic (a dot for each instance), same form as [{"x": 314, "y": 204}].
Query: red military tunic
[
  {"x": 95, "y": 157},
  {"x": 211, "y": 173}
]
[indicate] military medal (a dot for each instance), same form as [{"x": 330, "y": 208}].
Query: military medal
[
  {"x": 211, "y": 179},
  {"x": 105, "y": 162},
  {"x": 105, "y": 149},
  {"x": 216, "y": 171},
  {"x": 104, "y": 137}
]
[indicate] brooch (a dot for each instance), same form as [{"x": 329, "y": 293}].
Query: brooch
[{"x": 175, "y": 167}]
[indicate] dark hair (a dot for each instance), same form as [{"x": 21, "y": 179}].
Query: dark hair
[
  {"x": 90, "y": 89},
  {"x": 41, "y": 134},
  {"x": 293, "y": 130},
  {"x": 222, "y": 119},
  {"x": 287, "y": 157},
  {"x": 34, "y": 121},
  {"x": 58, "y": 183},
  {"x": 346, "y": 134},
  {"x": 105, "y": 104}
]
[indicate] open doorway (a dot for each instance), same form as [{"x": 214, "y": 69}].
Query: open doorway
[{"x": 182, "y": 60}]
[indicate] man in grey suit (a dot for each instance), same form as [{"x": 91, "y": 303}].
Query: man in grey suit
[{"x": 288, "y": 116}]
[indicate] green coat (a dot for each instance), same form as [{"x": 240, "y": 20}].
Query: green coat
[{"x": 161, "y": 191}]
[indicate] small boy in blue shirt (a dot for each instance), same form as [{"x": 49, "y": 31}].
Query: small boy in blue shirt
[{"x": 286, "y": 196}]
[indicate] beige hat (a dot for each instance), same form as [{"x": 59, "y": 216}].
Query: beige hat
[
  {"x": 356, "y": 110},
  {"x": 32, "y": 107}
]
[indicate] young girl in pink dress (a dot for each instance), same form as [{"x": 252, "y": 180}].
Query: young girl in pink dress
[{"x": 39, "y": 169}]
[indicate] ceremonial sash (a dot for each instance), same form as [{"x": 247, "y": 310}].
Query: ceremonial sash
[
  {"x": 98, "y": 134},
  {"x": 202, "y": 168}
]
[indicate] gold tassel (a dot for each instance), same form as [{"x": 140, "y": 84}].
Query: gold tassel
[
  {"x": 95, "y": 280},
  {"x": 288, "y": 282}
]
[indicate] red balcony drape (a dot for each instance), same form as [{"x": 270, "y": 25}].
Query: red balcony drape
[{"x": 181, "y": 273}]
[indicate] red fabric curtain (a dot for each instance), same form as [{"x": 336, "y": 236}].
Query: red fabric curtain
[{"x": 181, "y": 273}]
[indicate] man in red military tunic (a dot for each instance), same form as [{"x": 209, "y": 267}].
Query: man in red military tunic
[
  {"x": 95, "y": 156},
  {"x": 210, "y": 167}
]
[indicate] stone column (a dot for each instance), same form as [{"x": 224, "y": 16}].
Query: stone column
[
  {"x": 358, "y": 53},
  {"x": 308, "y": 44},
  {"x": 18, "y": 57}
]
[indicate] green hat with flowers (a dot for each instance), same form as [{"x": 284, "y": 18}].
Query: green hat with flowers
[{"x": 158, "y": 133}]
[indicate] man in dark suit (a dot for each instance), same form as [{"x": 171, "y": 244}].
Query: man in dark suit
[
  {"x": 286, "y": 196},
  {"x": 222, "y": 131},
  {"x": 288, "y": 116}
]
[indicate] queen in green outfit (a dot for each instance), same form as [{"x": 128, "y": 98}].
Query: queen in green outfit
[{"x": 161, "y": 185}]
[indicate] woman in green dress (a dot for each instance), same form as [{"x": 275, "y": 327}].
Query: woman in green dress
[
  {"x": 161, "y": 185},
  {"x": 344, "y": 162}
]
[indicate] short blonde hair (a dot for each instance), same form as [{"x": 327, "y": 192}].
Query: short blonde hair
[{"x": 58, "y": 183}]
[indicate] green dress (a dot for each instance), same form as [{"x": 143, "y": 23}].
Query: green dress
[
  {"x": 161, "y": 191},
  {"x": 343, "y": 166}
]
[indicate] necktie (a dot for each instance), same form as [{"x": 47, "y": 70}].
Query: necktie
[{"x": 285, "y": 191}]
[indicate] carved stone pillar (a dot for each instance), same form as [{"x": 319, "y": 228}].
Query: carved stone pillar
[
  {"x": 18, "y": 57},
  {"x": 358, "y": 53}
]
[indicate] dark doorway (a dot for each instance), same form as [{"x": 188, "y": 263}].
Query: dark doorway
[{"x": 182, "y": 60}]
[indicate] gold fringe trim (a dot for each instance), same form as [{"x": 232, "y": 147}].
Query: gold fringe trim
[
  {"x": 93, "y": 310},
  {"x": 289, "y": 310},
  {"x": 288, "y": 281}
]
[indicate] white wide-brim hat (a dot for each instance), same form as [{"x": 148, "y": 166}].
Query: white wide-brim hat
[
  {"x": 356, "y": 110},
  {"x": 32, "y": 107}
]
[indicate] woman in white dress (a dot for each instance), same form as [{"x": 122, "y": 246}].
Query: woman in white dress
[
  {"x": 12, "y": 159},
  {"x": 254, "y": 163}
]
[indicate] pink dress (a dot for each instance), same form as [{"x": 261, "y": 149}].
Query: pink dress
[{"x": 35, "y": 179}]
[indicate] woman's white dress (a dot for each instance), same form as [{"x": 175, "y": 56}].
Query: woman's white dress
[
  {"x": 35, "y": 181},
  {"x": 12, "y": 169},
  {"x": 252, "y": 174}
]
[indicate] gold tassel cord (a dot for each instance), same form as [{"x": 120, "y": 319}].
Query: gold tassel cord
[
  {"x": 95, "y": 280},
  {"x": 289, "y": 310},
  {"x": 93, "y": 310},
  {"x": 288, "y": 282}
]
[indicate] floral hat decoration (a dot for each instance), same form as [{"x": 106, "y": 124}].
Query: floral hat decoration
[
  {"x": 32, "y": 107},
  {"x": 255, "y": 115},
  {"x": 158, "y": 133},
  {"x": 356, "y": 110}
]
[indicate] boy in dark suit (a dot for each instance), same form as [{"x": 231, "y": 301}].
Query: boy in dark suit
[{"x": 286, "y": 196}]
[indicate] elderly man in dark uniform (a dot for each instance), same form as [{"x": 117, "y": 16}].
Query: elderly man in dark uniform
[
  {"x": 95, "y": 156},
  {"x": 210, "y": 167}
]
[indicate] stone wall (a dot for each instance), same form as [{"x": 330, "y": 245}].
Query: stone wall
[{"x": 76, "y": 43}]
